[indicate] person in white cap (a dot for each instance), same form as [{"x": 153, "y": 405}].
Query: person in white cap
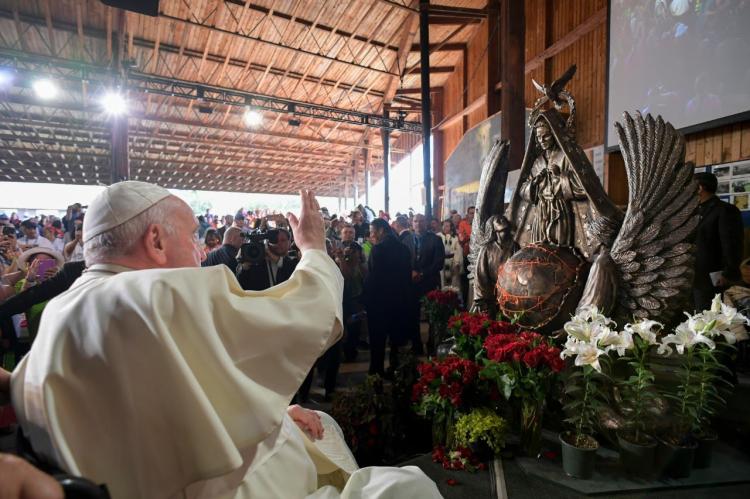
[{"x": 164, "y": 380}]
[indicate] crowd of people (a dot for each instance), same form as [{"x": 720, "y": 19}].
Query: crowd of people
[
  {"x": 152, "y": 355},
  {"x": 388, "y": 266},
  {"x": 40, "y": 257}
]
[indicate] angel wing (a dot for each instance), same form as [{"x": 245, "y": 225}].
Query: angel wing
[
  {"x": 652, "y": 252},
  {"x": 490, "y": 198}
]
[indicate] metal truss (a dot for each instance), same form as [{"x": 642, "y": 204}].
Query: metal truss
[{"x": 152, "y": 84}]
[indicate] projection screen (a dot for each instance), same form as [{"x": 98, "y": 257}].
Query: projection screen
[{"x": 687, "y": 60}]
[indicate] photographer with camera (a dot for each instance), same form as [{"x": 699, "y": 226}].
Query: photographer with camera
[{"x": 264, "y": 260}]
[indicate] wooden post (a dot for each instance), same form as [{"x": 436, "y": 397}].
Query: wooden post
[
  {"x": 424, "y": 61},
  {"x": 438, "y": 164},
  {"x": 119, "y": 127},
  {"x": 386, "y": 136},
  {"x": 513, "y": 121},
  {"x": 495, "y": 57},
  {"x": 119, "y": 149}
]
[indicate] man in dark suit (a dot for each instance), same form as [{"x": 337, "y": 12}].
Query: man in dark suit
[
  {"x": 227, "y": 253},
  {"x": 386, "y": 294},
  {"x": 719, "y": 243},
  {"x": 276, "y": 268},
  {"x": 429, "y": 257}
]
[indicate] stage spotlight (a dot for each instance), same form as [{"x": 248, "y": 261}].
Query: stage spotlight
[
  {"x": 45, "y": 89},
  {"x": 6, "y": 78},
  {"x": 114, "y": 103},
  {"x": 253, "y": 117}
]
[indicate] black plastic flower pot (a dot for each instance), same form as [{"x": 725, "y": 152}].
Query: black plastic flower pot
[
  {"x": 638, "y": 459},
  {"x": 704, "y": 451},
  {"x": 676, "y": 461},
  {"x": 578, "y": 462}
]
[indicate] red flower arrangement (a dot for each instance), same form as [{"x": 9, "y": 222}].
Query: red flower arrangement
[
  {"x": 443, "y": 383},
  {"x": 529, "y": 348},
  {"x": 445, "y": 298},
  {"x": 471, "y": 329}
]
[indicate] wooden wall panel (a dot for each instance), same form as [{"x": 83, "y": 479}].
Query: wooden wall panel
[{"x": 477, "y": 75}]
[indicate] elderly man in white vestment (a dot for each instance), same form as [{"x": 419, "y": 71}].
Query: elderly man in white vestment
[{"x": 165, "y": 380}]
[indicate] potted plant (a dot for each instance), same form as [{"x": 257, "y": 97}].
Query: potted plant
[
  {"x": 638, "y": 394},
  {"x": 482, "y": 430},
  {"x": 523, "y": 366},
  {"x": 590, "y": 337},
  {"x": 697, "y": 397}
]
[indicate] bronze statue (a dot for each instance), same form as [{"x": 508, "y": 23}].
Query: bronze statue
[{"x": 562, "y": 243}]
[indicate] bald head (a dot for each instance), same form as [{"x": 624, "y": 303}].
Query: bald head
[{"x": 233, "y": 237}]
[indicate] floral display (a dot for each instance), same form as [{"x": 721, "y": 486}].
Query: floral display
[
  {"x": 496, "y": 369},
  {"x": 471, "y": 329},
  {"x": 442, "y": 384},
  {"x": 701, "y": 341}
]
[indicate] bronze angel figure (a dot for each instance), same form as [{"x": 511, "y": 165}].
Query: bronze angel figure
[{"x": 562, "y": 243}]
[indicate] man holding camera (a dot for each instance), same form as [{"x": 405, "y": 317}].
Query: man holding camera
[{"x": 266, "y": 262}]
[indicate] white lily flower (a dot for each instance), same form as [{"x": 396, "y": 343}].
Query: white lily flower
[
  {"x": 613, "y": 340},
  {"x": 664, "y": 350},
  {"x": 588, "y": 355},
  {"x": 686, "y": 336},
  {"x": 644, "y": 329},
  {"x": 591, "y": 313},
  {"x": 578, "y": 329}
]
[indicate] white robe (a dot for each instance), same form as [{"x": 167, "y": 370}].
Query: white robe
[{"x": 172, "y": 383}]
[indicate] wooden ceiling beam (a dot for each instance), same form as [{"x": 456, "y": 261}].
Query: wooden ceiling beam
[
  {"x": 433, "y": 70},
  {"x": 50, "y": 30},
  {"x": 180, "y": 140},
  {"x": 214, "y": 29},
  {"x": 322, "y": 27},
  {"x": 448, "y": 20},
  {"x": 173, "y": 49},
  {"x": 437, "y": 47}
]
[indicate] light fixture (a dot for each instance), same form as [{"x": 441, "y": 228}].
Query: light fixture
[
  {"x": 6, "y": 78},
  {"x": 45, "y": 88},
  {"x": 253, "y": 117},
  {"x": 114, "y": 103}
]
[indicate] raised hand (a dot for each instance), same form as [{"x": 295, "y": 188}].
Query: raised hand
[{"x": 308, "y": 229}]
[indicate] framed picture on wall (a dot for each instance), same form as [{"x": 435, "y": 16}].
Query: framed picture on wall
[{"x": 734, "y": 183}]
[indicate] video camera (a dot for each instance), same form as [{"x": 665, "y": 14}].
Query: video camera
[{"x": 253, "y": 251}]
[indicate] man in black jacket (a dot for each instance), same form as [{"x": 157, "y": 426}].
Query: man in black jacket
[
  {"x": 719, "y": 243},
  {"x": 386, "y": 296},
  {"x": 227, "y": 254},
  {"x": 276, "y": 268},
  {"x": 429, "y": 257}
]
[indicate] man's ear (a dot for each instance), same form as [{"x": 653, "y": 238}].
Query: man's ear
[{"x": 154, "y": 243}]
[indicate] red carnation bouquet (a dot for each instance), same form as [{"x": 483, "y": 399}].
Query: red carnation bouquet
[
  {"x": 470, "y": 330},
  {"x": 523, "y": 366},
  {"x": 442, "y": 385}
]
